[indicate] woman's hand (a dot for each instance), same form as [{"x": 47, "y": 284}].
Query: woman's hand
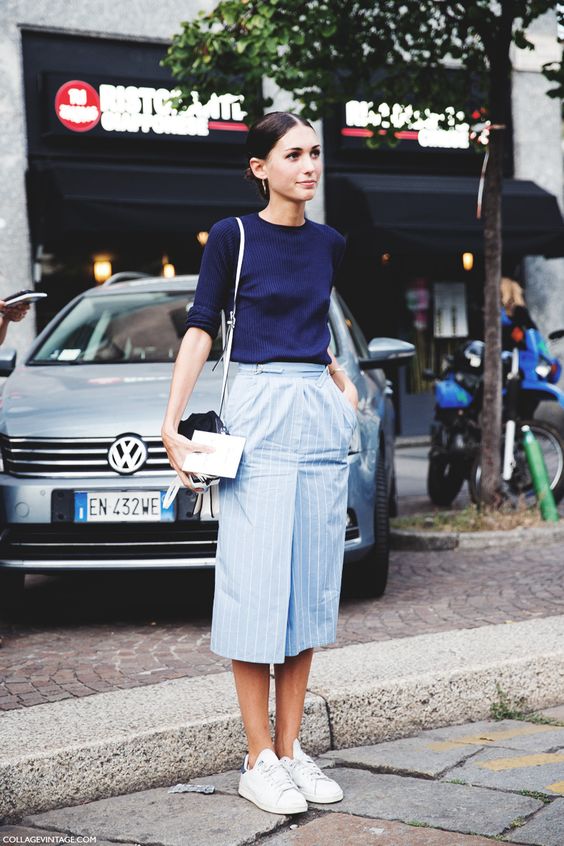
[
  {"x": 347, "y": 386},
  {"x": 194, "y": 351},
  {"x": 177, "y": 447},
  {"x": 14, "y": 313},
  {"x": 351, "y": 393}
]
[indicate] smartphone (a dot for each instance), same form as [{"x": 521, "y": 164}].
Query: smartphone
[{"x": 27, "y": 296}]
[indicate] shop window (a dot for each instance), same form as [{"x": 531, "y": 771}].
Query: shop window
[{"x": 437, "y": 324}]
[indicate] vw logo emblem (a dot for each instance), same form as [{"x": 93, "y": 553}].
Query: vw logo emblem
[{"x": 127, "y": 454}]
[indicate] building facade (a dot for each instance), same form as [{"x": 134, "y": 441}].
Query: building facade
[{"x": 98, "y": 175}]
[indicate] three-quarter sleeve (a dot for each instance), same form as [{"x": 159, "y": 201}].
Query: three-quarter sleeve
[{"x": 216, "y": 278}]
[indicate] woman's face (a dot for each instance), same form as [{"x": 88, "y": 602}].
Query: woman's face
[{"x": 293, "y": 166}]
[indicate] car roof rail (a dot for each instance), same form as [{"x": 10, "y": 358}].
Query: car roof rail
[{"x": 125, "y": 276}]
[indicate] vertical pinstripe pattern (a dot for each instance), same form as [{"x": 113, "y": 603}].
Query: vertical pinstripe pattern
[{"x": 282, "y": 519}]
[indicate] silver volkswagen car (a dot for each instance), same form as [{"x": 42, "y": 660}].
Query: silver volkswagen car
[{"x": 84, "y": 472}]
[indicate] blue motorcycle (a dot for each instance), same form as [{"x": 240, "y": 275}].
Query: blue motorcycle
[
  {"x": 456, "y": 431},
  {"x": 540, "y": 371}
]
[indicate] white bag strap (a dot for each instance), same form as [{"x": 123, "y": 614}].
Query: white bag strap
[
  {"x": 226, "y": 355},
  {"x": 175, "y": 485}
]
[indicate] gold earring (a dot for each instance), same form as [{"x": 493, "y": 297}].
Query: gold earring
[{"x": 263, "y": 185}]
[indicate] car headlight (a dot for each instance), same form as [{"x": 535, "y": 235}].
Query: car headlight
[{"x": 543, "y": 370}]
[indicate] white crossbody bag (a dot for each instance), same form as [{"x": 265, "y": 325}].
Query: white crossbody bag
[{"x": 206, "y": 468}]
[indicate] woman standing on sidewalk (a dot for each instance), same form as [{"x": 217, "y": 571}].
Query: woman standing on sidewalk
[{"x": 282, "y": 522}]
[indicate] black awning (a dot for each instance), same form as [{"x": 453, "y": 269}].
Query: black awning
[
  {"x": 72, "y": 198},
  {"x": 437, "y": 214}
]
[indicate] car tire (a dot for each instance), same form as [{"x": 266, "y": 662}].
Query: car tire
[
  {"x": 12, "y": 585},
  {"x": 375, "y": 565},
  {"x": 393, "y": 508}
]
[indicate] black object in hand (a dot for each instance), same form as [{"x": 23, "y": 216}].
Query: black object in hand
[{"x": 208, "y": 421}]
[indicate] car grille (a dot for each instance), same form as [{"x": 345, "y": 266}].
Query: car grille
[
  {"x": 129, "y": 542},
  {"x": 74, "y": 457}
]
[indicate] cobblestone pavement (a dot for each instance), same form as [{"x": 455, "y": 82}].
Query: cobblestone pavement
[{"x": 95, "y": 632}]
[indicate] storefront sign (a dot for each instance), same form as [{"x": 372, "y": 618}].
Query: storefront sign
[
  {"x": 362, "y": 119},
  {"x": 77, "y": 105},
  {"x": 112, "y": 108}
]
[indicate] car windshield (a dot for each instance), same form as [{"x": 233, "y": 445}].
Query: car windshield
[{"x": 120, "y": 328}]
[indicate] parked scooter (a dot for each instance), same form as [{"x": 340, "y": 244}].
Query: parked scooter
[
  {"x": 456, "y": 433},
  {"x": 516, "y": 478},
  {"x": 539, "y": 397},
  {"x": 455, "y": 430}
]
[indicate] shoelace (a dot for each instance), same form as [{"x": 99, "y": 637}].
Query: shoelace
[
  {"x": 310, "y": 767},
  {"x": 277, "y": 775}
]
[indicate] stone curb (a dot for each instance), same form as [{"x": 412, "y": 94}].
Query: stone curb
[
  {"x": 406, "y": 441},
  {"x": 74, "y": 751},
  {"x": 429, "y": 541}
]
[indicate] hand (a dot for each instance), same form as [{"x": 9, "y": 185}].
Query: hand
[
  {"x": 351, "y": 393},
  {"x": 348, "y": 387},
  {"x": 14, "y": 313},
  {"x": 176, "y": 447}
]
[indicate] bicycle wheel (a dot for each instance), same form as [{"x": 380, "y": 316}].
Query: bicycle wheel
[{"x": 521, "y": 484}]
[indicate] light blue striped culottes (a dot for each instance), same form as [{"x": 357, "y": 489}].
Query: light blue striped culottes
[{"x": 282, "y": 519}]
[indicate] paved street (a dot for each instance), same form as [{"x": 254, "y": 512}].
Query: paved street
[
  {"x": 90, "y": 633},
  {"x": 411, "y": 469},
  {"x": 457, "y": 786}
]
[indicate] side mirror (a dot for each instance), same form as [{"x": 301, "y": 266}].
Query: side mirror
[
  {"x": 386, "y": 351},
  {"x": 7, "y": 360},
  {"x": 555, "y": 336}
]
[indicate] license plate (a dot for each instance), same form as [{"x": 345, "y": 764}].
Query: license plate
[{"x": 121, "y": 507}]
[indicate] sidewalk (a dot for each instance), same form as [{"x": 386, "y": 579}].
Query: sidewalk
[
  {"x": 108, "y": 744},
  {"x": 455, "y": 786}
]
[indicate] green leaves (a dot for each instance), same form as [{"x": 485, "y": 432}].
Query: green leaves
[
  {"x": 522, "y": 41},
  {"x": 554, "y": 72},
  {"x": 229, "y": 17}
]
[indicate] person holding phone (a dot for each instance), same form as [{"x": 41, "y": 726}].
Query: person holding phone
[{"x": 10, "y": 314}]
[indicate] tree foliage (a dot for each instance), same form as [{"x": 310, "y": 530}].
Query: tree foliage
[
  {"x": 554, "y": 71},
  {"x": 326, "y": 52}
]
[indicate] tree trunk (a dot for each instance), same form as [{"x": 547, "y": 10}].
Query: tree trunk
[
  {"x": 497, "y": 48},
  {"x": 491, "y": 412}
]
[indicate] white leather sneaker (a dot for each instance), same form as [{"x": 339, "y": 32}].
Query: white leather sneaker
[
  {"x": 312, "y": 782},
  {"x": 269, "y": 785}
]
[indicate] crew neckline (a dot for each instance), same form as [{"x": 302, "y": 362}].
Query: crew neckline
[{"x": 282, "y": 225}]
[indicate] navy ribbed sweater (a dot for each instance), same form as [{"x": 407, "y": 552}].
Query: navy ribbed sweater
[{"x": 284, "y": 291}]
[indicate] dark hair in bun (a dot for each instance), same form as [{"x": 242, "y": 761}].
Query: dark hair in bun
[{"x": 263, "y": 135}]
